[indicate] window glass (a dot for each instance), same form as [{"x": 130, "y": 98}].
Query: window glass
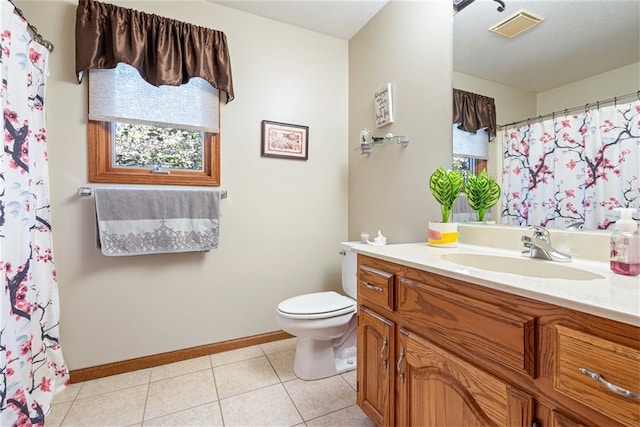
[{"x": 141, "y": 146}]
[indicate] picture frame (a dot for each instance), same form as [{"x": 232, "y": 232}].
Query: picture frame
[
  {"x": 285, "y": 140},
  {"x": 383, "y": 99}
]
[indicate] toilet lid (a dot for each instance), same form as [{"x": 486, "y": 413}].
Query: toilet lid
[{"x": 328, "y": 303}]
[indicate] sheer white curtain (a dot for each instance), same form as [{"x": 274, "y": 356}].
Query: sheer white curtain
[
  {"x": 32, "y": 368},
  {"x": 572, "y": 168}
]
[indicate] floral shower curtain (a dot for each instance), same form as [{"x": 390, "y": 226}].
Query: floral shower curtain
[
  {"x": 32, "y": 368},
  {"x": 573, "y": 168}
]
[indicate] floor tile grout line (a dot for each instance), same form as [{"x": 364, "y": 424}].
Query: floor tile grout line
[
  {"x": 280, "y": 382},
  {"x": 347, "y": 381},
  {"x": 215, "y": 383},
  {"x": 66, "y": 414},
  {"x": 191, "y": 407},
  {"x": 294, "y": 404},
  {"x": 329, "y": 413},
  {"x": 177, "y": 412},
  {"x": 146, "y": 399}
]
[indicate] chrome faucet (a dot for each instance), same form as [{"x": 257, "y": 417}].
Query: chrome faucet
[{"x": 539, "y": 246}]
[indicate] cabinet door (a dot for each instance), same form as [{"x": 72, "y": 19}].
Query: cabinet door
[
  {"x": 375, "y": 350},
  {"x": 437, "y": 388}
]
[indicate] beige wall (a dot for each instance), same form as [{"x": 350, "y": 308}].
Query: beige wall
[
  {"x": 621, "y": 81},
  {"x": 514, "y": 104},
  {"x": 408, "y": 44},
  {"x": 282, "y": 222}
]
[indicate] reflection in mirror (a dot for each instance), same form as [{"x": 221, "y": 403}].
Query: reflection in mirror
[{"x": 581, "y": 52}]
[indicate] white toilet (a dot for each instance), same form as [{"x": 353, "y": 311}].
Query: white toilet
[{"x": 325, "y": 324}]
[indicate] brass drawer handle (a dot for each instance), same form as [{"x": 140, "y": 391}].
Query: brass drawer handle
[
  {"x": 614, "y": 388},
  {"x": 372, "y": 287},
  {"x": 383, "y": 352},
  {"x": 399, "y": 365}
]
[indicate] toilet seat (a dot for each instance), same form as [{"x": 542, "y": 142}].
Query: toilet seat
[{"x": 316, "y": 305}]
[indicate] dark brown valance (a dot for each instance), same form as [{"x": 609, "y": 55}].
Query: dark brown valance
[
  {"x": 163, "y": 50},
  {"x": 474, "y": 112}
]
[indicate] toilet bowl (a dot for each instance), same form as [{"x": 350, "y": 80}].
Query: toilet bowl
[{"x": 325, "y": 325}]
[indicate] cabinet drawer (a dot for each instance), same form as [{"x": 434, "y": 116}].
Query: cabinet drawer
[
  {"x": 376, "y": 286},
  {"x": 475, "y": 328},
  {"x": 616, "y": 364}
]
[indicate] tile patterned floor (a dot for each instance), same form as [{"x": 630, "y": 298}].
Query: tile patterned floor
[{"x": 252, "y": 386}]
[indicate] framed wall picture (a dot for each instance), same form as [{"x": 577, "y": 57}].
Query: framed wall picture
[
  {"x": 285, "y": 140},
  {"x": 383, "y": 105}
]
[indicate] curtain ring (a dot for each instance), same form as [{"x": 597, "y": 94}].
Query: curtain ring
[
  {"x": 597, "y": 105},
  {"x": 586, "y": 108},
  {"x": 566, "y": 111},
  {"x": 615, "y": 101}
]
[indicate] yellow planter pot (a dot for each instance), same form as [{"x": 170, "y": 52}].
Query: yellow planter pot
[{"x": 443, "y": 234}]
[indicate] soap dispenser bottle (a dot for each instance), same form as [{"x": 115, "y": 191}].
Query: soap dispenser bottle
[{"x": 625, "y": 245}]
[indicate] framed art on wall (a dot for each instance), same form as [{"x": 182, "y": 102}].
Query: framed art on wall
[
  {"x": 284, "y": 140},
  {"x": 383, "y": 105}
]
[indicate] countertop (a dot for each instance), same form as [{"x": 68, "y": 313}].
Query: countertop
[{"x": 613, "y": 296}]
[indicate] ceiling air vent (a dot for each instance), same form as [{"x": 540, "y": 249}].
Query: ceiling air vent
[{"x": 516, "y": 24}]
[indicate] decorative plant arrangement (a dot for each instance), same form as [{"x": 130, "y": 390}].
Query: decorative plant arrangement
[
  {"x": 482, "y": 193},
  {"x": 445, "y": 187}
]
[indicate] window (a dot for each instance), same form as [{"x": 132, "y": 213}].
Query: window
[
  {"x": 470, "y": 151},
  {"x": 139, "y": 133},
  {"x": 102, "y": 168}
]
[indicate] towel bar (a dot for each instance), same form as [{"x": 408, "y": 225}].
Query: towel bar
[{"x": 88, "y": 191}]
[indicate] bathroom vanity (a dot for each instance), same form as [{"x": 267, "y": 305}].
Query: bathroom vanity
[{"x": 445, "y": 344}]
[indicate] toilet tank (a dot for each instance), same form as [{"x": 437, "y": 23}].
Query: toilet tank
[{"x": 349, "y": 268}]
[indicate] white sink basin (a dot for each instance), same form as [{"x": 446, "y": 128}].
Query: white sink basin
[{"x": 532, "y": 267}]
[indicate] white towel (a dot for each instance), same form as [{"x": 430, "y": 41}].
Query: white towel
[{"x": 155, "y": 221}]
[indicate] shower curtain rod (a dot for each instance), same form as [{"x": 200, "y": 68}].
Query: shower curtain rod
[
  {"x": 613, "y": 101},
  {"x": 34, "y": 31}
]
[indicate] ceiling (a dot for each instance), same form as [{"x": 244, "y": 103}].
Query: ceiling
[
  {"x": 576, "y": 40},
  {"x": 338, "y": 18}
]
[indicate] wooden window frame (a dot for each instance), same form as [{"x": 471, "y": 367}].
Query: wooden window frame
[{"x": 101, "y": 168}]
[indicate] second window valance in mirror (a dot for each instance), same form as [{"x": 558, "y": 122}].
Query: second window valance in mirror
[{"x": 474, "y": 111}]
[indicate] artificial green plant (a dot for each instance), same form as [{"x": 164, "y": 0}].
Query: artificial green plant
[
  {"x": 482, "y": 192},
  {"x": 445, "y": 187}
]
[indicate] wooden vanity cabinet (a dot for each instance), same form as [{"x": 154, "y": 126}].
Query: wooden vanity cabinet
[
  {"x": 376, "y": 341},
  {"x": 436, "y": 388},
  {"x": 375, "y": 366},
  {"x": 435, "y": 351}
]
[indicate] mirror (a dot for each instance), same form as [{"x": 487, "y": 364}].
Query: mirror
[{"x": 539, "y": 71}]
